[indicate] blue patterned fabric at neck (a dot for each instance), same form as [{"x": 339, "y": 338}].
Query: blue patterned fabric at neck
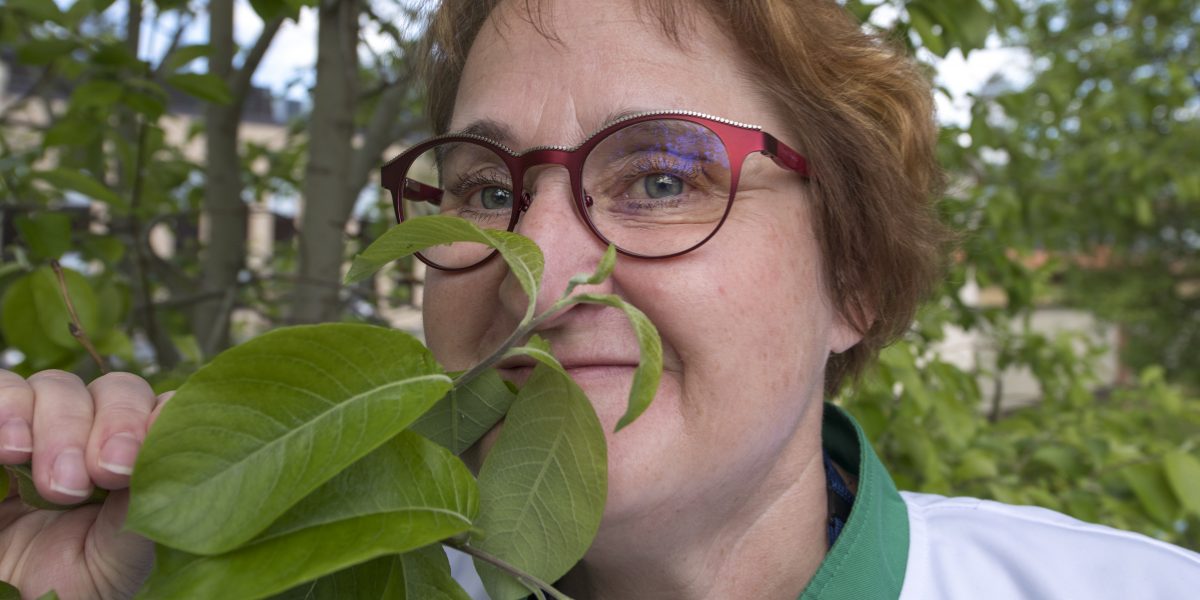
[{"x": 841, "y": 499}]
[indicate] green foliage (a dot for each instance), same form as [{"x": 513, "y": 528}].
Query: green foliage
[
  {"x": 460, "y": 418},
  {"x": 205, "y": 86},
  {"x": 35, "y": 319},
  {"x": 416, "y": 575},
  {"x": 1072, "y": 191},
  {"x": 405, "y": 495},
  {"x": 546, "y": 479},
  {"x": 310, "y": 422},
  {"x": 522, "y": 255},
  {"x": 320, "y": 396}
]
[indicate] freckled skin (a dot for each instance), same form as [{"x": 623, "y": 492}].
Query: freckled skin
[{"x": 720, "y": 478}]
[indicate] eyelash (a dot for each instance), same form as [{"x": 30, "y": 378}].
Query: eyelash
[
  {"x": 660, "y": 164},
  {"x": 475, "y": 181}
]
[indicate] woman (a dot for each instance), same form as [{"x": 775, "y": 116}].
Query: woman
[{"x": 721, "y": 489}]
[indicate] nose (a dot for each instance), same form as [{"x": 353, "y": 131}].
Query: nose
[{"x": 552, "y": 221}]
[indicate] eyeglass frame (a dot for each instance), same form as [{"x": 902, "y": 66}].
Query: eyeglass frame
[{"x": 739, "y": 140}]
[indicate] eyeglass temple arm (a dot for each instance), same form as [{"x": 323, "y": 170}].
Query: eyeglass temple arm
[
  {"x": 784, "y": 156},
  {"x": 417, "y": 191}
]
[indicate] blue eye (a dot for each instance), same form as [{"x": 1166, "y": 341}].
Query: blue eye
[
  {"x": 495, "y": 197},
  {"x": 662, "y": 185}
]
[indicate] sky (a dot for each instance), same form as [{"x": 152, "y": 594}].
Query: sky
[{"x": 287, "y": 67}]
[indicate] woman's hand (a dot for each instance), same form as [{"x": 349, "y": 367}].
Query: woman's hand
[{"x": 78, "y": 438}]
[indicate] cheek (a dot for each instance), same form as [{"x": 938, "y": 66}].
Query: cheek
[
  {"x": 751, "y": 316},
  {"x": 458, "y": 311}
]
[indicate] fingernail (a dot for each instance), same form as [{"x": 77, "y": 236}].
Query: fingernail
[
  {"x": 15, "y": 436},
  {"x": 118, "y": 453},
  {"x": 69, "y": 476}
]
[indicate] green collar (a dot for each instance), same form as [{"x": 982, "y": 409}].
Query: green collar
[{"x": 868, "y": 560}]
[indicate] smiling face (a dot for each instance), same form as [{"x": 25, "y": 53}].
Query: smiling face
[{"x": 745, "y": 320}]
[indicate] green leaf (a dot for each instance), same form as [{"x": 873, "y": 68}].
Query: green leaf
[
  {"x": 77, "y": 181},
  {"x": 106, "y": 248},
  {"x": 30, "y": 496},
  {"x": 542, "y": 485},
  {"x": 99, "y": 94},
  {"x": 405, "y": 495},
  {"x": 205, "y": 86},
  {"x": 38, "y": 10},
  {"x": 1183, "y": 473},
  {"x": 8, "y": 592},
  {"x": 273, "y": 9},
  {"x": 21, "y": 327},
  {"x": 1151, "y": 488},
  {"x": 271, "y": 420},
  {"x": 976, "y": 464},
  {"x": 48, "y": 234},
  {"x": 649, "y": 369},
  {"x": 51, "y": 307},
  {"x": 920, "y": 20},
  {"x": 417, "y": 575},
  {"x": 186, "y": 54},
  {"x": 459, "y": 419},
  {"x": 539, "y": 350},
  {"x": 427, "y": 576},
  {"x": 114, "y": 54},
  {"x": 115, "y": 343},
  {"x": 603, "y": 270},
  {"x": 524, "y": 258},
  {"x": 72, "y": 130},
  {"x": 44, "y": 52}
]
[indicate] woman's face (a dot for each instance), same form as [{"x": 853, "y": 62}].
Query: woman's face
[{"x": 745, "y": 322}]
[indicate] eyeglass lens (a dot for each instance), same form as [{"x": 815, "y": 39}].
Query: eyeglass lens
[{"x": 653, "y": 188}]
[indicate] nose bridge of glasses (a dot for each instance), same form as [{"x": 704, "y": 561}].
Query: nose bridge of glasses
[{"x": 538, "y": 172}]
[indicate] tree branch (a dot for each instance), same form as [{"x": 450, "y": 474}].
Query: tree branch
[
  {"x": 75, "y": 325},
  {"x": 239, "y": 84},
  {"x": 525, "y": 578},
  {"x": 382, "y": 130},
  {"x": 185, "y": 20}
]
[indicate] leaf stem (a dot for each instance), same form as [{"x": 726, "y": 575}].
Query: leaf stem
[
  {"x": 507, "y": 568},
  {"x": 520, "y": 333},
  {"x": 75, "y": 326}
]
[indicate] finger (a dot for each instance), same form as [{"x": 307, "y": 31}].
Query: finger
[
  {"x": 160, "y": 403},
  {"x": 124, "y": 555},
  {"x": 62, "y": 422},
  {"x": 16, "y": 413},
  {"x": 123, "y": 403}
]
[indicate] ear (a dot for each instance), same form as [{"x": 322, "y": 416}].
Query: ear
[{"x": 843, "y": 335}]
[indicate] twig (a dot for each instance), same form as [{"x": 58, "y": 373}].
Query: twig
[
  {"x": 75, "y": 326},
  {"x": 164, "y": 352},
  {"x": 213, "y": 340},
  {"x": 526, "y": 578}
]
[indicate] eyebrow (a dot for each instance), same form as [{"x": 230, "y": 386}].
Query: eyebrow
[
  {"x": 490, "y": 129},
  {"x": 500, "y": 132}
]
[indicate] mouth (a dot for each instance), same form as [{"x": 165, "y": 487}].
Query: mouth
[{"x": 518, "y": 368}]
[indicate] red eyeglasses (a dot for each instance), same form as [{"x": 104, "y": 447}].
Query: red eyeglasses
[{"x": 653, "y": 184}]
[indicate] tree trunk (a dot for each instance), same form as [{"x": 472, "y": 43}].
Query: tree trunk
[
  {"x": 227, "y": 215},
  {"x": 225, "y": 249},
  {"x": 329, "y": 192}
]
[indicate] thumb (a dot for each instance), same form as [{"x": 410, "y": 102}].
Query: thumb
[{"x": 122, "y": 556}]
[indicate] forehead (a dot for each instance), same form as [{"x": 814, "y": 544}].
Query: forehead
[{"x": 586, "y": 62}]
